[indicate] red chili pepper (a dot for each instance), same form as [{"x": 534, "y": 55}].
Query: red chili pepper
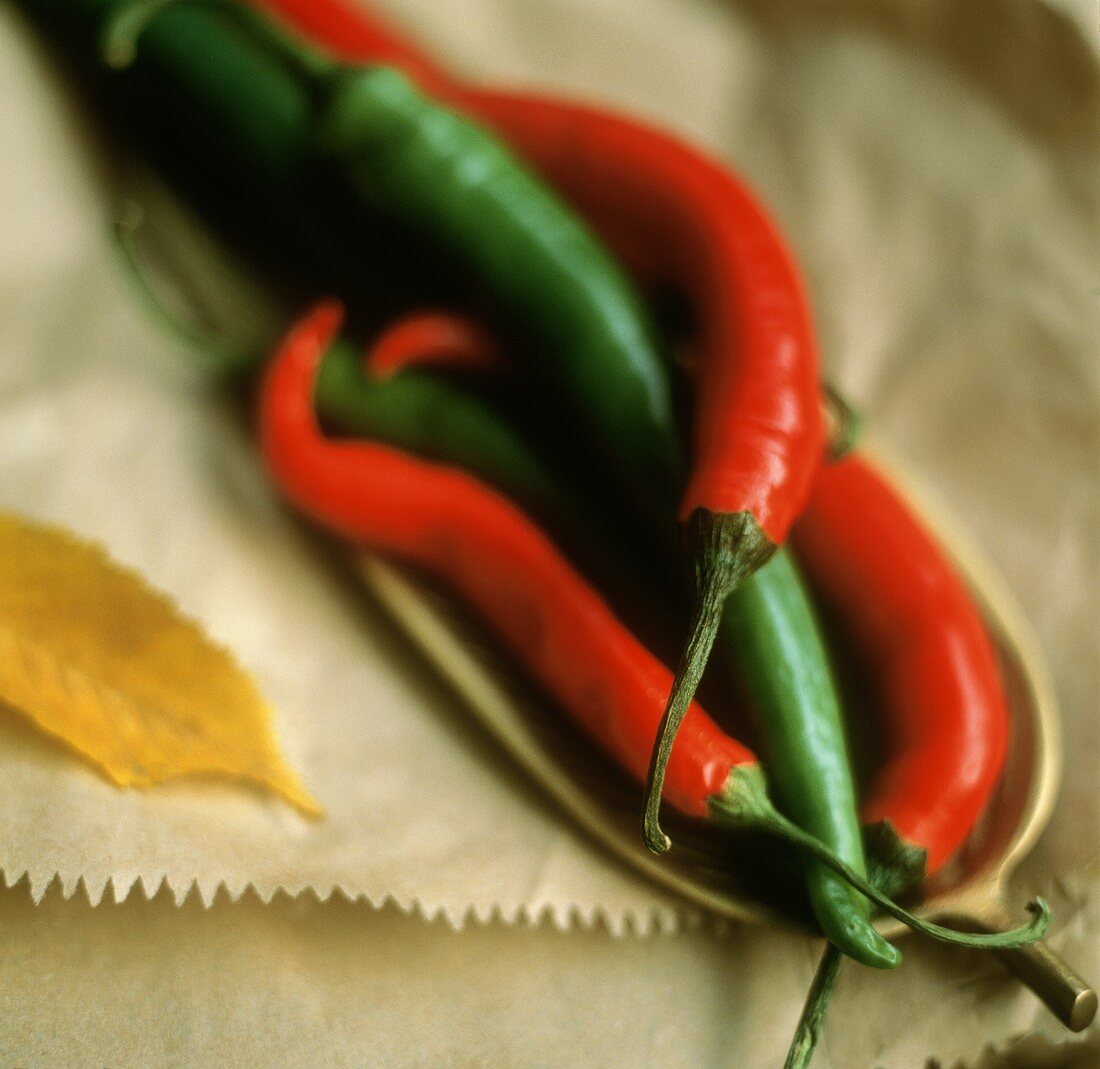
[
  {"x": 670, "y": 210},
  {"x": 758, "y": 428},
  {"x": 493, "y": 557},
  {"x": 429, "y": 338},
  {"x": 759, "y": 433},
  {"x": 936, "y": 686},
  {"x": 535, "y": 602},
  {"x": 946, "y": 724}
]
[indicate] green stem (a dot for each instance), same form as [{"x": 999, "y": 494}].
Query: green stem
[
  {"x": 1014, "y": 937},
  {"x": 729, "y": 548},
  {"x": 124, "y": 27},
  {"x": 215, "y": 350},
  {"x": 119, "y": 38},
  {"x": 847, "y": 429},
  {"x": 693, "y": 661},
  {"x": 813, "y": 1013},
  {"x": 744, "y": 803}
]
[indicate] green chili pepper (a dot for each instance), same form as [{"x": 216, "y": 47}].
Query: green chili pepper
[
  {"x": 445, "y": 176},
  {"x": 768, "y": 628},
  {"x": 427, "y": 415},
  {"x": 768, "y": 624},
  {"x": 386, "y": 149}
]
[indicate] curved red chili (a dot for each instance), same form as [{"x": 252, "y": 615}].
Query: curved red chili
[
  {"x": 759, "y": 432},
  {"x": 937, "y": 689},
  {"x": 947, "y": 723},
  {"x": 535, "y": 602},
  {"x": 669, "y": 207},
  {"x": 758, "y": 428},
  {"x": 428, "y": 338},
  {"x": 491, "y": 555}
]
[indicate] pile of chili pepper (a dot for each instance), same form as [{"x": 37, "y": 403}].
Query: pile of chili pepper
[
  {"x": 558, "y": 213},
  {"x": 671, "y": 211}
]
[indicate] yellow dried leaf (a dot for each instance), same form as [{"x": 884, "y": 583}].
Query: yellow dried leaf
[{"x": 93, "y": 656}]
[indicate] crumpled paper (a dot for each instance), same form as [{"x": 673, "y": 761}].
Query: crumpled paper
[{"x": 938, "y": 187}]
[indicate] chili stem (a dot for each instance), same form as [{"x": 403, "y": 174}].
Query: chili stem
[
  {"x": 124, "y": 27},
  {"x": 119, "y": 39},
  {"x": 813, "y": 1012},
  {"x": 218, "y": 352},
  {"x": 704, "y": 628},
  {"x": 744, "y": 803},
  {"x": 731, "y": 548},
  {"x": 846, "y": 428}
]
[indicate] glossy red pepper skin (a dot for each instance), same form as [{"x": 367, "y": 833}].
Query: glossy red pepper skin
[
  {"x": 902, "y": 605},
  {"x": 429, "y": 338},
  {"x": 611, "y": 168},
  {"x": 667, "y": 209},
  {"x": 758, "y": 428},
  {"x": 935, "y": 669},
  {"x": 497, "y": 561}
]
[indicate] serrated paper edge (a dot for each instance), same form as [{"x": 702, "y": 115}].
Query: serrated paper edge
[{"x": 563, "y": 916}]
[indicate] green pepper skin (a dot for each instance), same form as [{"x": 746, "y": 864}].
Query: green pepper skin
[
  {"x": 424, "y": 414},
  {"x": 769, "y": 630},
  {"x": 225, "y": 122},
  {"x": 768, "y": 626},
  {"x": 280, "y": 110},
  {"x": 445, "y": 176}
]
